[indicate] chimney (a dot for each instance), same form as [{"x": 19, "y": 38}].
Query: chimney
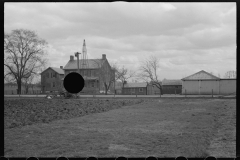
[
  {"x": 71, "y": 58},
  {"x": 61, "y": 67},
  {"x": 104, "y": 56}
]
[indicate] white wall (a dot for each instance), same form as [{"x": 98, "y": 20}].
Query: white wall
[
  {"x": 223, "y": 86},
  {"x": 191, "y": 87},
  {"x": 208, "y": 86},
  {"x": 228, "y": 86}
]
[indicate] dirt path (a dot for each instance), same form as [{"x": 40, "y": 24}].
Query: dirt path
[
  {"x": 224, "y": 142},
  {"x": 165, "y": 128}
]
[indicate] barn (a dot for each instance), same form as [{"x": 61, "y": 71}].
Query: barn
[{"x": 204, "y": 83}]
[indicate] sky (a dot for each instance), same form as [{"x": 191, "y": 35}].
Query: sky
[{"x": 186, "y": 37}]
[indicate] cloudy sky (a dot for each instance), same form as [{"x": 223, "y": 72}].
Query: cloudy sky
[{"x": 187, "y": 37}]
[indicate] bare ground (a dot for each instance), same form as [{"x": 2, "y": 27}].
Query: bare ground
[{"x": 162, "y": 128}]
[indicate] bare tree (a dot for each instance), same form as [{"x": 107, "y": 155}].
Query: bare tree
[
  {"x": 31, "y": 81},
  {"x": 115, "y": 68},
  {"x": 27, "y": 82},
  {"x": 149, "y": 72},
  {"x": 211, "y": 73},
  {"x": 123, "y": 74},
  {"x": 230, "y": 74},
  {"x": 24, "y": 55}
]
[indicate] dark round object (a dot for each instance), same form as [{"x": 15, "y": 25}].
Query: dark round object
[
  {"x": 32, "y": 158},
  {"x": 180, "y": 158},
  {"x": 121, "y": 158},
  {"x": 210, "y": 158},
  {"x": 151, "y": 158},
  {"x": 73, "y": 82}
]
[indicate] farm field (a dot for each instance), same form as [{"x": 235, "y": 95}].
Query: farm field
[{"x": 120, "y": 127}]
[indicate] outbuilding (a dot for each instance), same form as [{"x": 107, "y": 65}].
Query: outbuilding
[
  {"x": 172, "y": 86},
  {"x": 204, "y": 83},
  {"x": 135, "y": 89}
]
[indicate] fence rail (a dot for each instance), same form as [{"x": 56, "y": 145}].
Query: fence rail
[{"x": 14, "y": 92}]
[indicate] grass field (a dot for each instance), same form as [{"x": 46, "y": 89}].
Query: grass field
[{"x": 161, "y": 128}]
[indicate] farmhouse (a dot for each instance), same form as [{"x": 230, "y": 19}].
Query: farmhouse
[
  {"x": 95, "y": 74},
  {"x": 135, "y": 89},
  {"x": 205, "y": 83},
  {"x": 51, "y": 79}
]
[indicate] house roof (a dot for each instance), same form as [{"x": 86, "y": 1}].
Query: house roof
[
  {"x": 200, "y": 75},
  {"x": 133, "y": 85},
  {"x": 151, "y": 83},
  {"x": 172, "y": 82},
  {"x": 58, "y": 70},
  {"x": 88, "y": 78},
  {"x": 92, "y": 63}
]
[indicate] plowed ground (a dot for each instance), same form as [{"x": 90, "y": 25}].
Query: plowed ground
[{"x": 106, "y": 128}]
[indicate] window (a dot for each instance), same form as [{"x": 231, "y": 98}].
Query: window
[
  {"x": 47, "y": 75},
  {"x": 92, "y": 75},
  {"x": 140, "y": 89},
  {"x": 53, "y": 84},
  {"x": 132, "y": 90},
  {"x": 92, "y": 84}
]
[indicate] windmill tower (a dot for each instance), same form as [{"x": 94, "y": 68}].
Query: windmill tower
[{"x": 84, "y": 57}]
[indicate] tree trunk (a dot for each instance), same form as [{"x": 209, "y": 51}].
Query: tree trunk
[
  {"x": 105, "y": 85},
  {"x": 26, "y": 88},
  {"x": 19, "y": 86},
  {"x": 32, "y": 88}
]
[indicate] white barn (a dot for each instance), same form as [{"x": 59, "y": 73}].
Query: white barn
[{"x": 204, "y": 83}]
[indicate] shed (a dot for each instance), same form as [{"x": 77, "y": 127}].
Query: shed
[
  {"x": 135, "y": 89},
  {"x": 172, "y": 86},
  {"x": 204, "y": 83}
]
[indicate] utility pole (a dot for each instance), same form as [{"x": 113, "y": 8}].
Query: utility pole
[{"x": 77, "y": 55}]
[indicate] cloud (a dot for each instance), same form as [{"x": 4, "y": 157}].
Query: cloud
[{"x": 186, "y": 36}]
